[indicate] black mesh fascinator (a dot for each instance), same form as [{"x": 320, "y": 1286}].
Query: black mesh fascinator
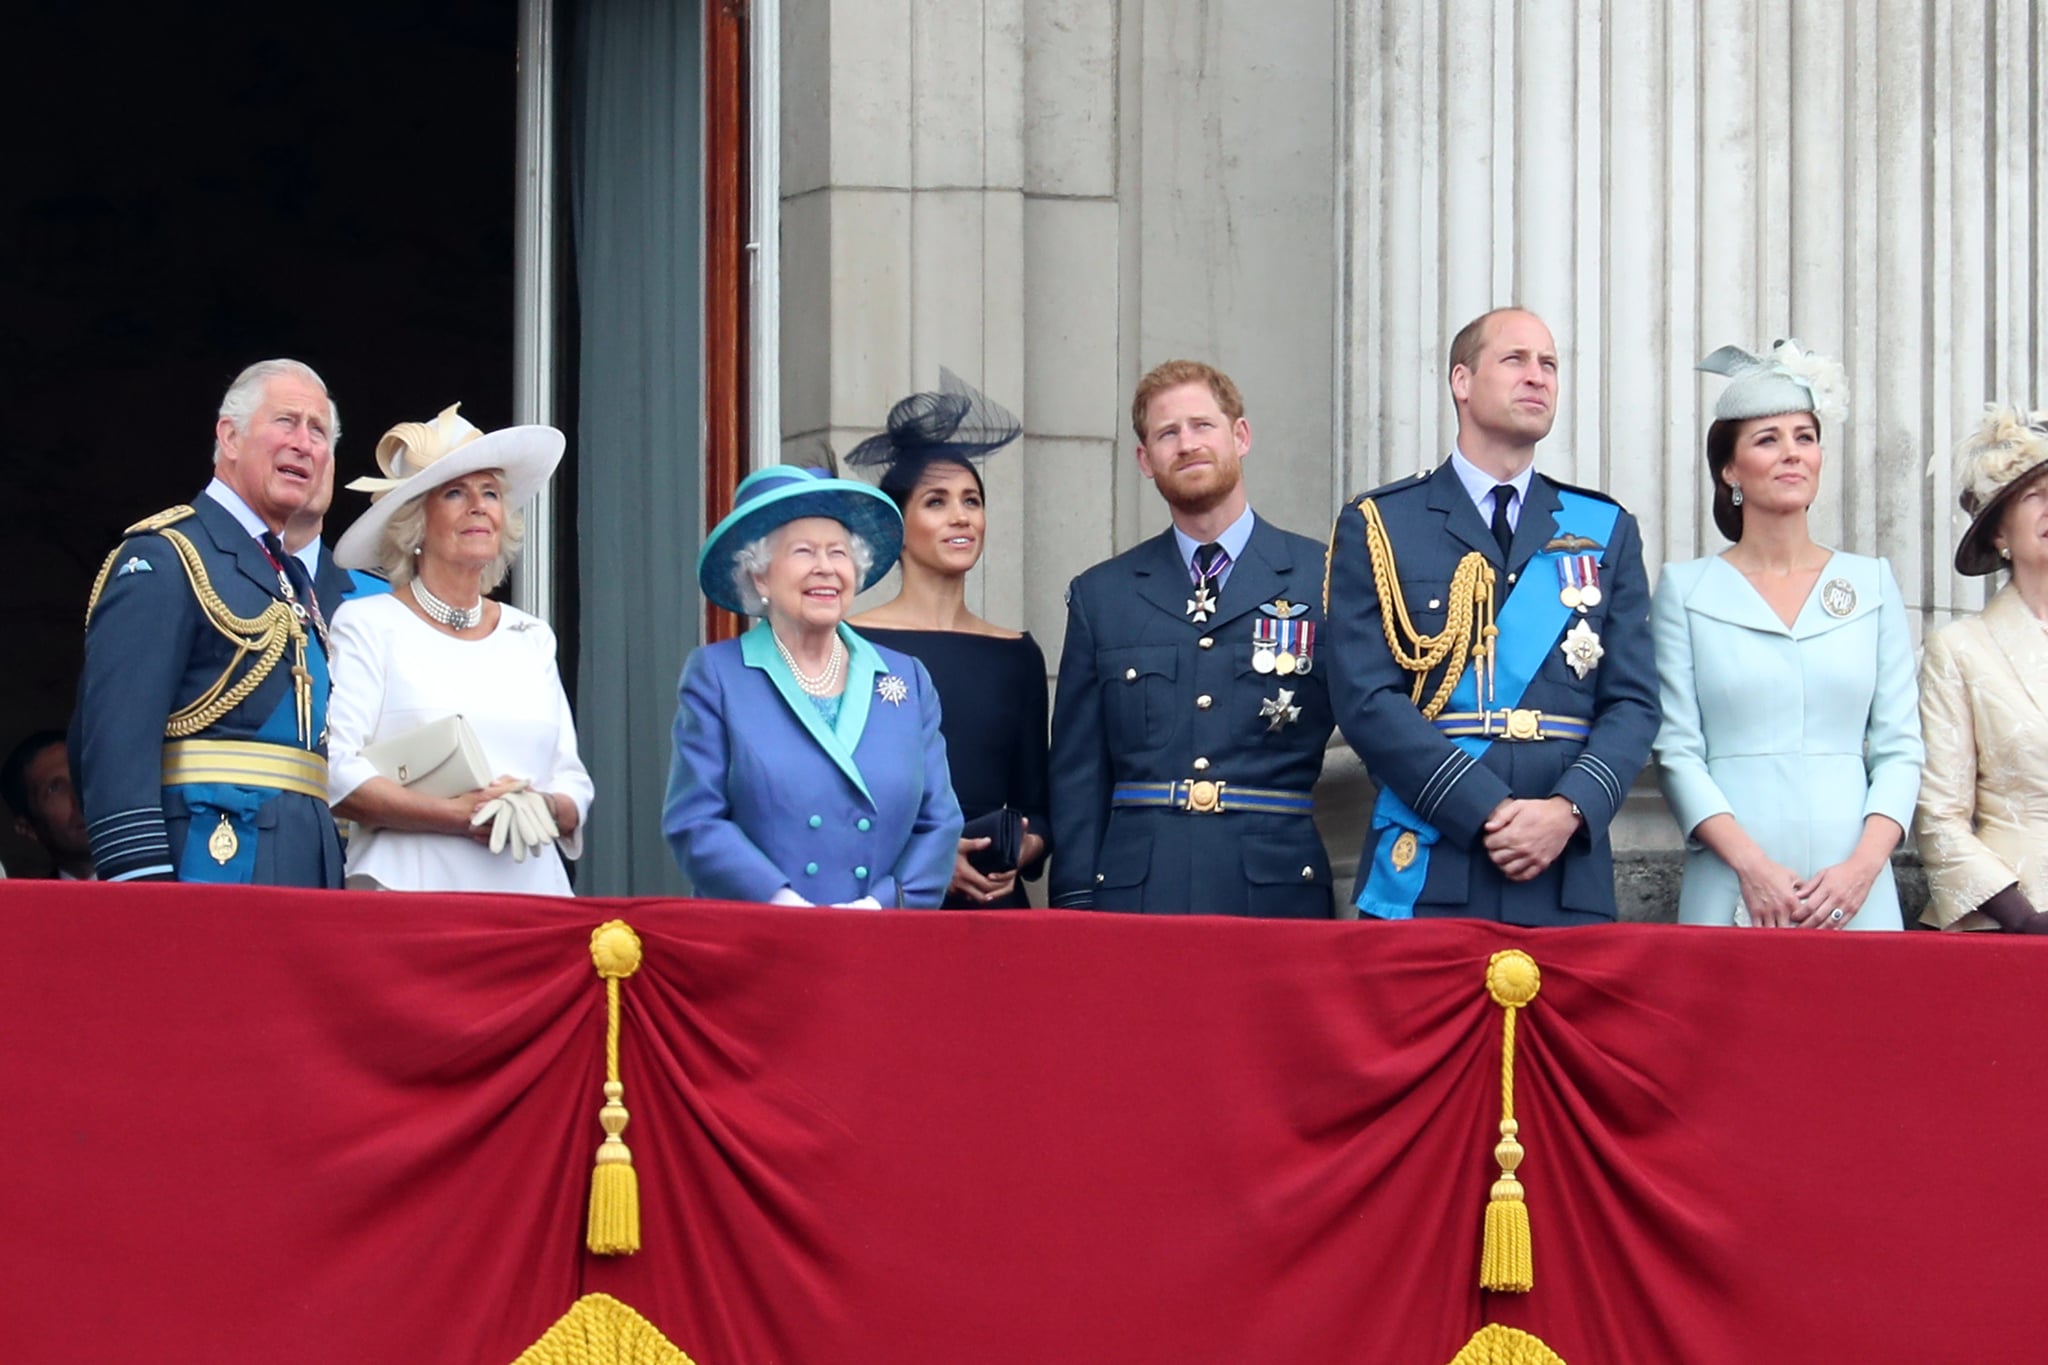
[{"x": 956, "y": 423}]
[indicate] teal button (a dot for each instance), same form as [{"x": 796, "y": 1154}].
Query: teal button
[
  {"x": 810, "y": 869},
  {"x": 817, "y": 820},
  {"x": 864, "y": 824},
  {"x": 860, "y": 872}
]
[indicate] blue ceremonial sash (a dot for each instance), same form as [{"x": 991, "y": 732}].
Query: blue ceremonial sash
[
  {"x": 209, "y": 802},
  {"x": 1530, "y": 622}
]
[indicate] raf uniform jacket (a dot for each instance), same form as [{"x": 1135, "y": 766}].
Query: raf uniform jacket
[
  {"x": 1147, "y": 694},
  {"x": 763, "y": 794},
  {"x": 149, "y": 651},
  {"x": 1431, "y": 525}
]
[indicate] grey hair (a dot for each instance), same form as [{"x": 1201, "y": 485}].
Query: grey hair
[
  {"x": 245, "y": 395},
  {"x": 406, "y": 532},
  {"x": 755, "y": 556}
]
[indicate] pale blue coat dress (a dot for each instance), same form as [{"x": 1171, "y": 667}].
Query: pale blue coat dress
[{"x": 1799, "y": 732}]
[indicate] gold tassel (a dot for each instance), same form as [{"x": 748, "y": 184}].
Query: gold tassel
[
  {"x": 1504, "y": 1258},
  {"x": 614, "y": 1228},
  {"x": 1494, "y": 1344}
]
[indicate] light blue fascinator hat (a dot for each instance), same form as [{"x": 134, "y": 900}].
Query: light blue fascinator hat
[
  {"x": 1786, "y": 378},
  {"x": 770, "y": 498}
]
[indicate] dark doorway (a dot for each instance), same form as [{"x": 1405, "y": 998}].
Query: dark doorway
[{"x": 192, "y": 188}]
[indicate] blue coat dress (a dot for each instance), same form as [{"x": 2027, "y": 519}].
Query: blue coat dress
[
  {"x": 763, "y": 794},
  {"x": 1799, "y": 732},
  {"x": 150, "y": 650}
]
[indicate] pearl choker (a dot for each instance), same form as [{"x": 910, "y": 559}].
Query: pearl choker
[
  {"x": 455, "y": 618},
  {"x": 825, "y": 683}
]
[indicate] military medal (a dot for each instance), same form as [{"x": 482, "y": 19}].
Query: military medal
[
  {"x": 222, "y": 843},
  {"x": 1838, "y": 597},
  {"x": 1202, "y": 604},
  {"x": 1284, "y": 638},
  {"x": 1582, "y": 649},
  {"x": 1578, "y": 581},
  {"x": 1406, "y": 845},
  {"x": 1265, "y": 643},
  {"x": 1279, "y": 711}
]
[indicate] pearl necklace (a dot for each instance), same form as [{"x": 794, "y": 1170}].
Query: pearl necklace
[
  {"x": 455, "y": 618},
  {"x": 825, "y": 683}
]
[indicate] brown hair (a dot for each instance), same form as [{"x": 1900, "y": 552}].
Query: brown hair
[
  {"x": 1175, "y": 373},
  {"x": 1720, "y": 454}
]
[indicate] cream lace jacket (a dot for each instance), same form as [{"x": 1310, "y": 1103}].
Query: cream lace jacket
[{"x": 1983, "y": 817}]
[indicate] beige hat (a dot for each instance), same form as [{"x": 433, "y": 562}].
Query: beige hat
[
  {"x": 418, "y": 457},
  {"x": 2005, "y": 453}
]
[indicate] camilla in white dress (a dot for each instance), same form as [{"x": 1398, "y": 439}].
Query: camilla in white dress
[
  {"x": 394, "y": 672},
  {"x": 445, "y": 528}
]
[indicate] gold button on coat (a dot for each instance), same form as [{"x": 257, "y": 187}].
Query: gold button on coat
[
  {"x": 1206, "y": 642},
  {"x": 1204, "y": 702},
  {"x": 1130, "y": 675},
  {"x": 1201, "y": 765}
]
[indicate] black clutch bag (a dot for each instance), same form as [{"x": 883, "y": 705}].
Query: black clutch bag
[{"x": 1004, "y": 829}]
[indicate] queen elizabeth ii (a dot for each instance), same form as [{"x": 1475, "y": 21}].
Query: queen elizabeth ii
[{"x": 808, "y": 766}]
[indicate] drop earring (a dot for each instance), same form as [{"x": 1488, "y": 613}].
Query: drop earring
[
  {"x": 1735, "y": 494},
  {"x": 2005, "y": 552}
]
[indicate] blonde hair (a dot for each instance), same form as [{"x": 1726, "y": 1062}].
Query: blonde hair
[{"x": 406, "y": 532}]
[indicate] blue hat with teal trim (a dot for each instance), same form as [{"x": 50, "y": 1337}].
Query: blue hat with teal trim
[{"x": 770, "y": 498}]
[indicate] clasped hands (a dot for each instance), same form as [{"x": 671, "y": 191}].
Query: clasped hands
[
  {"x": 513, "y": 815},
  {"x": 1829, "y": 899},
  {"x": 1525, "y": 836}
]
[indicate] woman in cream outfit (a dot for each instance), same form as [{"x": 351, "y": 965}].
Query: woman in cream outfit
[
  {"x": 1984, "y": 696},
  {"x": 1790, "y": 750}
]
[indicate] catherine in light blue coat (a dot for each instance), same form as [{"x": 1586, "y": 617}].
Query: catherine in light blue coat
[
  {"x": 1790, "y": 748},
  {"x": 808, "y": 767}
]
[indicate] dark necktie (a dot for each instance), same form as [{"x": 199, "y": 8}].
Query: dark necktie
[
  {"x": 1210, "y": 561},
  {"x": 295, "y": 573},
  {"x": 1503, "y": 495}
]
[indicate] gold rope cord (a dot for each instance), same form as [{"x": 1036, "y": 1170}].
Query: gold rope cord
[
  {"x": 1469, "y": 629},
  {"x": 264, "y": 636},
  {"x": 599, "y": 1330},
  {"x": 1505, "y": 1262}
]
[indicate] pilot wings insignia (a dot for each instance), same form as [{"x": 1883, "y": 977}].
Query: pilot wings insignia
[{"x": 1572, "y": 544}]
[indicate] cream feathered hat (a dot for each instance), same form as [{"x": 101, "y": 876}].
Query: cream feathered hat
[
  {"x": 2007, "y": 451},
  {"x": 418, "y": 457}
]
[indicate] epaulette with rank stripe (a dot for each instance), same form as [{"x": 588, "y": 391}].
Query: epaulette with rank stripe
[{"x": 170, "y": 516}]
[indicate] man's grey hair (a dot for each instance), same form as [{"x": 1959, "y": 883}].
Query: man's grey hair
[
  {"x": 399, "y": 554},
  {"x": 755, "y": 556},
  {"x": 245, "y": 395}
]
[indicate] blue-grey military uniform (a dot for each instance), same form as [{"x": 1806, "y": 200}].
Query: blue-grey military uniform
[
  {"x": 1182, "y": 761},
  {"x": 184, "y": 768},
  {"x": 1580, "y": 727}
]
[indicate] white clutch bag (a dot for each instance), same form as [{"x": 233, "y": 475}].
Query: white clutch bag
[{"x": 441, "y": 758}]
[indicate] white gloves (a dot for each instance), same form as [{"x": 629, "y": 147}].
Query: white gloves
[{"x": 521, "y": 819}]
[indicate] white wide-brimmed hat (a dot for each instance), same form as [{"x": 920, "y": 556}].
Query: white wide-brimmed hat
[{"x": 418, "y": 457}]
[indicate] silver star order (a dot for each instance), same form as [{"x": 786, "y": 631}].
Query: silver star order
[
  {"x": 1582, "y": 649},
  {"x": 1201, "y": 604},
  {"x": 1280, "y": 710},
  {"x": 891, "y": 689}
]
